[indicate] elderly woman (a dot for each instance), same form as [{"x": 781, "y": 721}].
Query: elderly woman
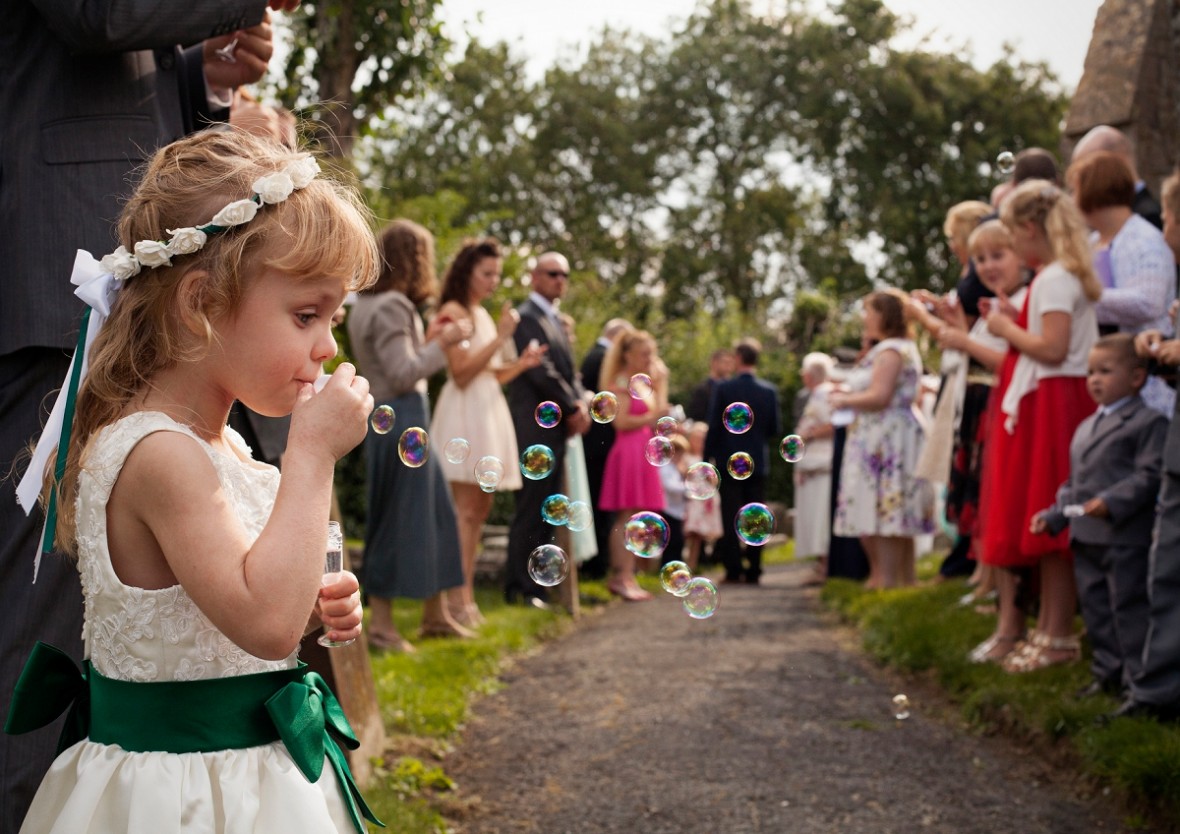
[
  {"x": 813, "y": 473},
  {"x": 1131, "y": 257}
]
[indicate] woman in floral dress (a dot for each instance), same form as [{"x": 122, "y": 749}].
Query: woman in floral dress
[{"x": 880, "y": 500}]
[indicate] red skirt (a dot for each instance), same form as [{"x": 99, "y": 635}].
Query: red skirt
[{"x": 1023, "y": 470}]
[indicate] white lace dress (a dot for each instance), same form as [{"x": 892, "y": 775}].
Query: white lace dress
[{"x": 133, "y": 634}]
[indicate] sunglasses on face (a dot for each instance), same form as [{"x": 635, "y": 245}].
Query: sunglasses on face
[{"x": 557, "y": 273}]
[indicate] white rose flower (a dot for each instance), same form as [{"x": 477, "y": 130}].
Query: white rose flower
[
  {"x": 186, "y": 241},
  {"x": 236, "y": 213},
  {"x": 303, "y": 170},
  {"x": 121, "y": 264},
  {"x": 274, "y": 188},
  {"x": 152, "y": 253}
]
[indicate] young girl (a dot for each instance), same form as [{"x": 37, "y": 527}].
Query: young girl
[
  {"x": 200, "y": 570},
  {"x": 702, "y": 517},
  {"x": 1043, "y": 379}
]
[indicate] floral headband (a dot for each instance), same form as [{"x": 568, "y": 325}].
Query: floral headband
[
  {"x": 98, "y": 283},
  {"x": 268, "y": 190}
]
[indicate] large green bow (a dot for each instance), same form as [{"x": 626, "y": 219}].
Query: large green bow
[
  {"x": 312, "y": 723},
  {"x": 50, "y": 684}
]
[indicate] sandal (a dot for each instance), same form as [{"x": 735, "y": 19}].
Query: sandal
[
  {"x": 986, "y": 652},
  {"x": 395, "y": 644},
  {"x": 1047, "y": 651},
  {"x": 445, "y": 630}
]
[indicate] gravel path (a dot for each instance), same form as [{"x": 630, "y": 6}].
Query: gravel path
[{"x": 761, "y": 719}]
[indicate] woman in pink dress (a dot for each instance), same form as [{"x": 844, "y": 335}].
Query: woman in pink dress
[{"x": 629, "y": 483}]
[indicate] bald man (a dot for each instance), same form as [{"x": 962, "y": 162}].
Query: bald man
[{"x": 1107, "y": 138}]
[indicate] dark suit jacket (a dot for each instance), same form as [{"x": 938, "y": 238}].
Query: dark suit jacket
[
  {"x": 601, "y": 436},
  {"x": 762, "y": 397},
  {"x": 88, "y": 91},
  {"x": 1148, "y": 207},
  {"x": 554, "y": 379},
  {"x": 1121, "y": 463}
]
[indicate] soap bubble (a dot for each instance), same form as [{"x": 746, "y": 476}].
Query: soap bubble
[
  {"x": 666, "y": 426},
  {"x": 413, "y": 447},
  {"x": 382, "y": 419},
  {"x": 548, "y": 565},
  {"x": 581, "y": 516},
  {"x": 674, "y": 577},
  {"x": 792, "y": 448},
  {"x": 901, "y": 707},
  {"x": 489, "y": 470},
  {"x": 646, "y": 534},
  {"x": 701, "y": 481},
  {"x": 548, "y": 414},
  {"x": 658, "y": 451},
  {"x": 737, "y": 417},
  {"x": 754, "y": 523},
  {"x": 700, "y": 598},
  {"x": 457, "y": 450},
  {"x": 536, "y": 462},
  {"x": 740, "y": 466},
  {"x": 640, "y": 386},
  {"x": 556, "y": 509},
  {"x": 1005, "y": 162},
  {"x": 604, "y": 407}
]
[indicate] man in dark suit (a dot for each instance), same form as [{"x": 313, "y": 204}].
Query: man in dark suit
[
  {"x": 720, "y": 444},
  {"x": 598, "y": 442},
  {"x": 554, "y": 379},
  {"x": 86, "y": 97},
  {"x": 720, "y": 369}
]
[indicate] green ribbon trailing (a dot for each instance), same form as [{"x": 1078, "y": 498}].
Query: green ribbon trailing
[
  {"x": 63, "y": 445},
  {"x": 294, "y": 705}
]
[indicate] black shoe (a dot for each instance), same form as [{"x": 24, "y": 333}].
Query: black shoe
[
  {"x": 1096, "y": 687},
  {"x": 1131, "y": 708}
]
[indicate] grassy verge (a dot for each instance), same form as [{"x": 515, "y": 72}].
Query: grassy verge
[{"x": 923, "y": 631}]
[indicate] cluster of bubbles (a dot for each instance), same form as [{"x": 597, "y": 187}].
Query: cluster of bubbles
[
  {"x": 548, "y": 565},
  {"x": 901, "y": 707},
  {"x": 536, "y": 462},
  {"x": 413, "y": 447},
  {"x": 697, "y": 594},
  {"x": 548, "y": 414}
]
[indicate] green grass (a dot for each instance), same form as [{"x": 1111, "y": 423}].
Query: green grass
[{"x": 923, "y": 631}]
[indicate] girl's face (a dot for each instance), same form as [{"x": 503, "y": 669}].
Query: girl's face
[
  {"x": 1026, "y": 240},
  {"x": 872, "y": 322},
  {"x": 638, "y": 357},
  {"x": 280, "y": 338},
  {"x": 998, "y": 269},
  {"x": 485, "y": 277}
]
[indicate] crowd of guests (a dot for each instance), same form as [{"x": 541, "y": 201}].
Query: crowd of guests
[{"x": 1050, "y": 437}]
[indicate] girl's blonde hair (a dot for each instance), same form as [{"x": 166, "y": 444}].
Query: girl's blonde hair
[
  {"x": 320, "y": 231},
  {"x": 991, "y": 233},
  {"x": 612, "y": 363},
  {"x": 1055, "y": 214},
  {"x": 961, "y": 218}
]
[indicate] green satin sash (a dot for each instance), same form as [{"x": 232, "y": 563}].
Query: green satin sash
[{"x": 294, "y": 705}]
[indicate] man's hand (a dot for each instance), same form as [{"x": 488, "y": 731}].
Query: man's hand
[{"x": 238, "y": 58}]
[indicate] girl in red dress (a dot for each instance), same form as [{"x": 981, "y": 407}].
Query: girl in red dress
[{"x": 1040, "y": 400}]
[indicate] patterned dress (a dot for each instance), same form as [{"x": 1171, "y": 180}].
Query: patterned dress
[{"x": 879, "y": 495}]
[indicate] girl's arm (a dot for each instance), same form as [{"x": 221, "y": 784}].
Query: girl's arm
[
  {"x": 981, "y": 353},
  {"x": 259, "y": 594},
  {"x": 466, "y": 364},
  {"x": 530, "y": 358},
  {"x": 1050, "y": 347},
  {"x": 882, "y": 383}
]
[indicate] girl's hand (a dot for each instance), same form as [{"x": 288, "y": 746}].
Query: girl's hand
[
  {"x": 1169, "y": 352},
  {"x": 448, "y": 331},
  {"x": 334, "y": 420},
  {"x": 999, "y": 324},
  {"x": 339, "y": 607},
  {"x": 508, "y": 321},
  {"x": 1147, "y": 343},
  {"x": 534, "y": 352},
  {"x": 1003, "y": 305},
  {"x": 951, "y": 338}
]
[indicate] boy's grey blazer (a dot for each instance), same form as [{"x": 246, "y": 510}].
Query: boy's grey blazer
[
  {"x": 1121, "y": 462},
  {"x": 88, "y": 91}
]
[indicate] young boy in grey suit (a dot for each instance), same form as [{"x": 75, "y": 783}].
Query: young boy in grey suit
[{"x": 1109, "y": 504}]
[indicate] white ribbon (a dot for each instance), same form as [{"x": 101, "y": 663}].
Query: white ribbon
[{"x": 97, "y": 287}]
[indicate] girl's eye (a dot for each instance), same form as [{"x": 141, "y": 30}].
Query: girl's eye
[{"x": 305, "y": 318}]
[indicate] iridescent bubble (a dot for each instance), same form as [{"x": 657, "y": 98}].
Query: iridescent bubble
[
  {"x": 901, "y": 707},
  {"x": 457, "y": 450},
  {"x": 548, "y": 565},
  {"x": 604, "y": 407},
  {"x": 413, "y": 447},
  {"x": 674, "y": 577},
  {"x": 666, "y": 426},
  {"x": 646, "y": 534},
  {"x": 701, "y": 481},
  {"x": 581, "y": 516},
  {"x": 382, "y": 419},
  {"x": 754, "y": 523},
  {"x": 700, "y": 598},
  {"x": 548, "y": 414},
  {"x": 556, "y": 509},
  {"x": 792, "y": 448},
  {"x": 536, "y": 462},
  {"x": 738, "y": 417},
  {"x": 640, "y": 386},
  {"x": 658, "y": 451},
  {"x": 740, "y": 466},
  {"x": 1005, "y": 162},
  {"x": 489, "y": 470}
]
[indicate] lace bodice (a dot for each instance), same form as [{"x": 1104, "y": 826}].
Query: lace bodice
[{"x": 158, "y": 635}]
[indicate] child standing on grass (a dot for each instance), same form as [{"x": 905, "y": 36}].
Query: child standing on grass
[
  {"x": 1108, "y": 503},
  {"x": 200, "y": 570},
  {"x": 1044, "y": 400}
]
